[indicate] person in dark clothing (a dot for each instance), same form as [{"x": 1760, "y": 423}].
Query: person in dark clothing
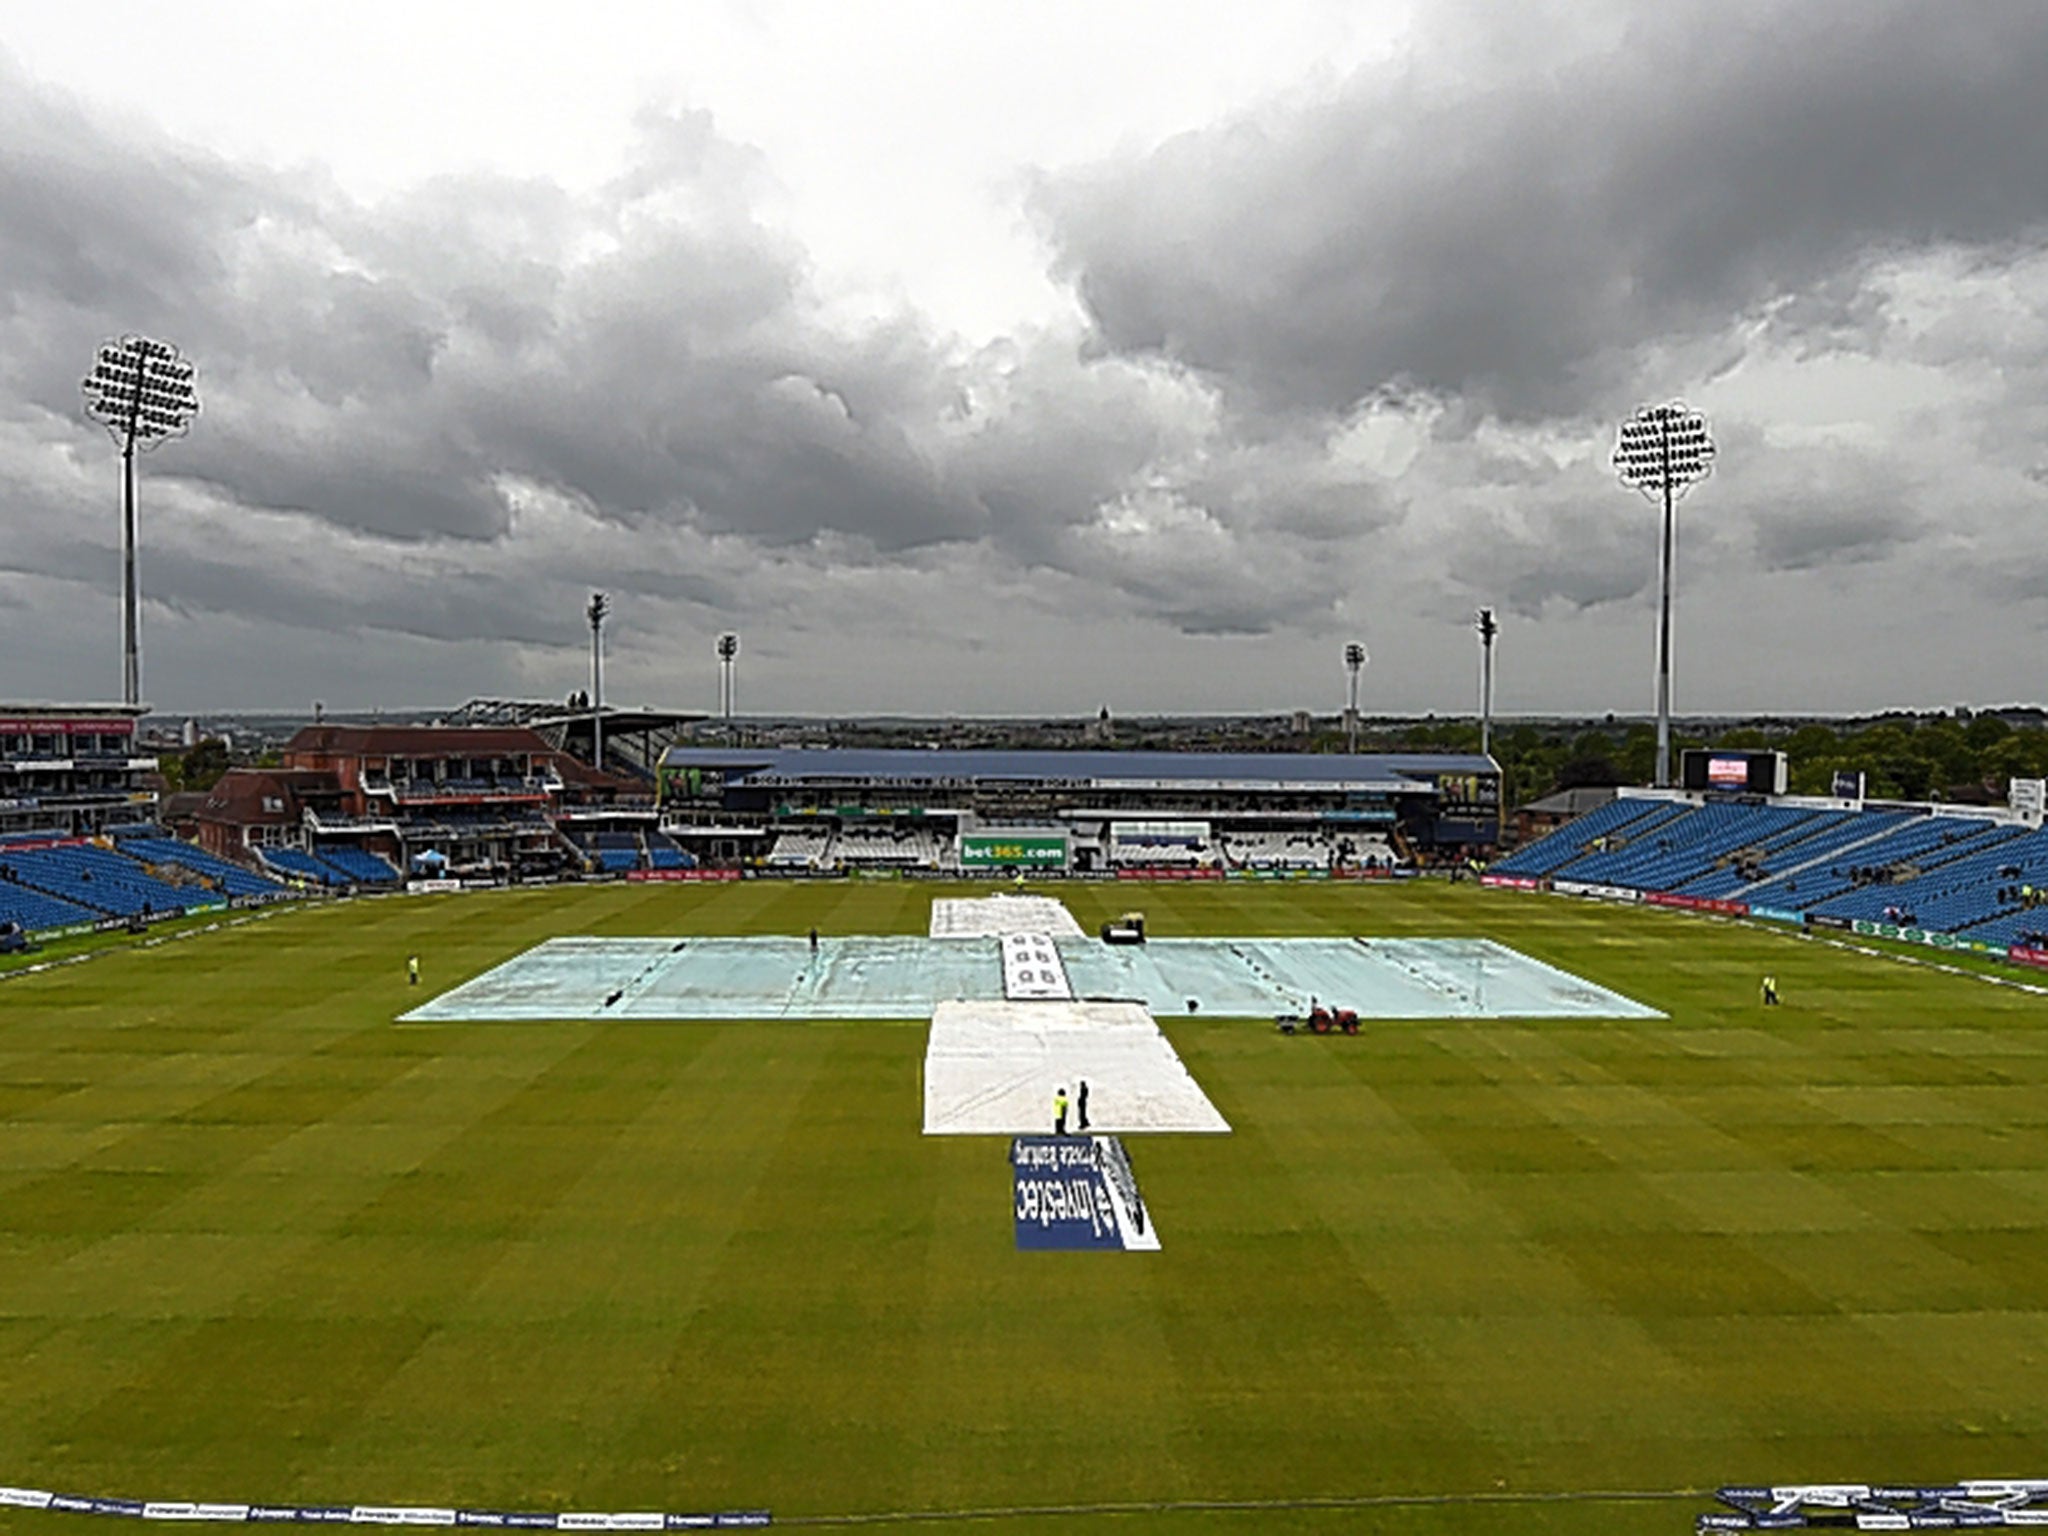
[
  {"x": 1081, "y": 1105},
  {"x": 814, "y": 943}
]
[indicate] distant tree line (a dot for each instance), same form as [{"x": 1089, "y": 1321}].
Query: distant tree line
[{"x": 1967, "y": 761}]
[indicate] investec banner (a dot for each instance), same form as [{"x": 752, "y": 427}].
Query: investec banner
[
  {"x": 981, "y": 851},
  {"x": 185, "y": 1511},
  {"x": 1077, "y": 1192}
]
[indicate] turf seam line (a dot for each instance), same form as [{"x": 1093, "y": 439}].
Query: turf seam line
[{"x": 1333, "y": 1501}]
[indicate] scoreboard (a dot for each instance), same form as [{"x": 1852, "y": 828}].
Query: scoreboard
[{"x": 1735, "y": 773}]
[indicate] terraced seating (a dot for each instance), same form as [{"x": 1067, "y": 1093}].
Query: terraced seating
[
  {"x": 360, "y": 866},
  {"x": 1953, "y": 894},
  {"x": 1548, "y": 854},
  {"x": 1642, "y": 835},
  {"x": 233, "y": 879},
  {"x": 297, "y": 862},
  {"x": 93, "y": 877},
  {"x": 1922, "y": 843},
  {"x": 1274, "y": 850},
  {"x": 1749, "y": 863},
  {"x": 1686, "y": 847},
  {"x": 664, "y": 852},
  {"x": 36, "y": 911},
  {"x": 883, "y": 844},
  {"x": 801, "y": 849}
]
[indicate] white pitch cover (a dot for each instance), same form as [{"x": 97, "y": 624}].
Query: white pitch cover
[{"x": 1033, "y": 971}]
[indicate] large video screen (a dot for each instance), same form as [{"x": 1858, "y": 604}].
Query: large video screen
[{"x": 1740, "y": 773}]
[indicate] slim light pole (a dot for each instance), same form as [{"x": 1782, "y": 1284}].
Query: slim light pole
[
  {"x": 1354, "y": 659},
  {"x": 1488, "y": 626},
  {"x": 600, "y": 605},
  {"x": 1664, "y": 450},
  {"x": 142, "y": 392},
  {"x": 728, "y": 652}
]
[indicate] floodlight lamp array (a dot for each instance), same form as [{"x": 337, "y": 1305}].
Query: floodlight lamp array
[
  {"x": 141, "y": 391},
  {"x": 728, "y": 646},
  {"x": 1664, "y": 447},
  {"x": 1354, "y": 656}
]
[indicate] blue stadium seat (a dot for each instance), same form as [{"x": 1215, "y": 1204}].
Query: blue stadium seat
[
  {"x": 1548, "y": 854},
  {"x": 359, "y": 865},
  {"x": 98, "y": 878},
  {"x": 36, "y": 911},
  {"x": 234, "y": 880}
]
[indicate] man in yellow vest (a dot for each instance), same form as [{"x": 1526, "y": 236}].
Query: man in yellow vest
[
  {"x": 1770, "y": 991},
  {"x": 1059, "y": 1111}
]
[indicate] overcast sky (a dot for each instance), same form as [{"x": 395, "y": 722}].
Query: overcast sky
[{"x": 1031, "y": 358}]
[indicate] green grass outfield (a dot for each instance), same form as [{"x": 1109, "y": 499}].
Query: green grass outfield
[{"x": 259, "y": 1243}]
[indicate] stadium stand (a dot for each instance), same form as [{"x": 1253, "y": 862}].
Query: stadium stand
[
  {"x": 1861, "y": 873},
  {"x": 1274, "y": 850},
  {"x": 296, "y": 863},
  {"x": 1888, "y": 878},
  {"x": 614, "y": 853},
  {"x": 1614, "y": 852},
  {"x": 232, "y": 879},
  {"x": 884, "y": 844},
  {"x": 1371, "y": 851},
  {"x": 1779, "y": 875},
  {"x": 36, "y": 911},
  {"x": 362, "y": 867},
  {"x": 1977, "y": 877},
  {"x": 1549, "y": 854},
  {"x": 663, "y": 852},
  {"x": 807, "y": 848},
  {"x": 1682, "y": 848},
  {"x": 97, "y": 878},
  {"x": 1750, "y": 863}
]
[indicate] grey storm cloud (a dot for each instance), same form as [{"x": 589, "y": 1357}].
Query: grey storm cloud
[
  {"x": 1516, "y": 237},
  {"x": 382, "y": 374},
  {"x": 1351, "y": 361}
]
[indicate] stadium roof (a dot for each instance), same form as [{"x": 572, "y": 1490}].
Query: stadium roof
[
  {"x": 542, "y": 714},
  {"x": 1386, "y": 772},
  {"x": 415, "y": 740}
]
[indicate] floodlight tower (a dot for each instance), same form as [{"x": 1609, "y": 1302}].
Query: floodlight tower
[
  {"x": 1354, "y": 659},
  {"x": 142, "y": 392},
  {"x": 1488, "y": 626},
  {"x": 600, "y": 606},
  {"x": 728, "y": 652},
  {"x": 1664, "y": 450}
]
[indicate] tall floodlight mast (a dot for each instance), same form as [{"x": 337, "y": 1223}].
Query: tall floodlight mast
[
  {"x": 1664, "y": 451},
  {"x": 142, "y": 392},
  {"x": 600, "y": 606},
  {"x": 1488, "y": 626},
  {"x": 1354, "y": 658},
  {"x": 728, "y": 651}
]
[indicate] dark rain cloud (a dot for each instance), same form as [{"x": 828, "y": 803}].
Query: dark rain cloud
[
  {"x": 1516, "y": 235},
  {"x": 1351, "y": 366}
]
